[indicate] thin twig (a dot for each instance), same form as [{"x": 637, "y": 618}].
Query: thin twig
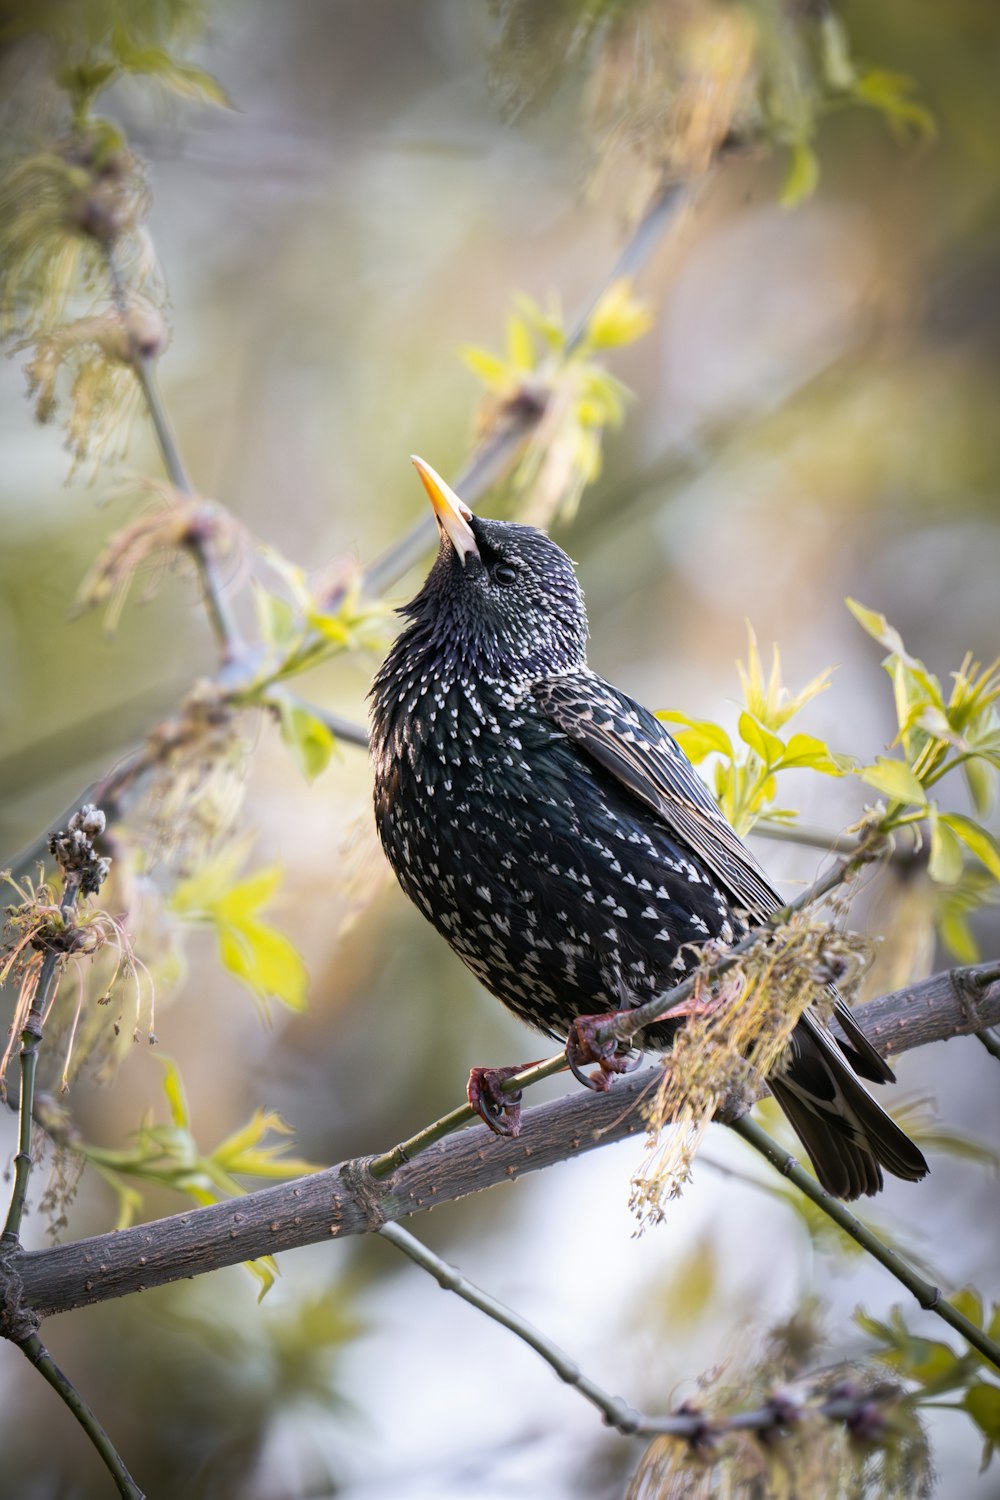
[
  {"x": 490, "y": 461},
  {"x": 347, "y": 730},
  {"x": 223, "y": 621},
  {"x": 31, "y": 1040},
  {"x": 34, "y": 1350},
  {"x": 806, "y": 835},
  {"x": 929, "y": 1296},
  {"x": 83, "y": 871},
  {"x": 778, "y": 1414},
  {"x": 991, "y": 1042},
  {"x": 616, "y": 1412}
]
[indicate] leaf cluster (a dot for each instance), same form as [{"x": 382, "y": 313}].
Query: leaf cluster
[
  {"x": 940, "y": 732},
  {"x": 745, "y": 771},
  {"x": 933, "y": 1368},
  {"x": 560, "y": 374},
  {"x": 168, "y": 1155}
]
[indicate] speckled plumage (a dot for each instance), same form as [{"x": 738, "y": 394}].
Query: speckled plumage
[{"x": 554, "y": 833}]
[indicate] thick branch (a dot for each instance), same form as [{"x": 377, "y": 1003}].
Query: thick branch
[{"x": 346, "y": 1199}]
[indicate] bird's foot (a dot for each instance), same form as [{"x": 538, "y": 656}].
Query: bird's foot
[
  {"x": 585, "y": 1044},
  {"x": 706, "y": 1002},
  {"x": 499, "y": 1110}
]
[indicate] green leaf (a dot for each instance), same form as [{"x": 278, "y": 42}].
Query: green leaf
[
  {"x": 266, "y": 1271},
  {"x": 259, "y": 955},
  {"x": 699, "y": 737},
  {"x": 802, "y": 176},
  {"x": 982, "y": 1402},
  {"x": 946, "y": 860},
  {"x": 895, "y": 779},
  {"x": 887, "y": 92},
  {"x": 548, "y": 325},
  {"x": 982, "y": 844},
  {"x": 173, "y": 1087},
  {"x": 969, "y": 1303},
  {"x": 930, "y": 1362},
  {"x": 265, "y": 960},
  {"x": 808, "y": 752},
  {"x": 291, "y": 575},
  {"x": 980, "y": 778},
  {"x": 277, "y": 620},
  {"x": 246, "y": 897},
  {"x": 309, "y": 739},
  {"x": 618, "y": 318},
  {"x": 520, "y": 346},
  {"x": 877, "y": 626},
  {"x": 493, "y": 371},
  {"x": 761, "y": 741}
]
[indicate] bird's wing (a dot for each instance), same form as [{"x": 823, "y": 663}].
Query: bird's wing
[{"x": 629, "y": 742}]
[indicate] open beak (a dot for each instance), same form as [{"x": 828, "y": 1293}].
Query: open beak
[{"x": 453, "y": 515}]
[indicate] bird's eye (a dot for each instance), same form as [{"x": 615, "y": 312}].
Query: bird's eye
[{"x": 504, "y": 574}]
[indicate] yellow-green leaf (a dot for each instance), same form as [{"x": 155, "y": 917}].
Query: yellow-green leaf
[
  {"x": 969, "y": 1303},
  {"x": 249, "y": 895},
  {"x": 982, "y": 1402},
  {"x": 802, "y": 176},
  {"x": 173, "y": 1087},
  {"x": 265, "y": 1270},
  {"x": 309, "y": 739},
  {"x": 618, "y": 318},
  {"x": 267, "y": 962},
  {"x": 808, "y": 752},
  {"x": 957, "y": 936},
  {"x": 277, "y": 620},
  {"x": 982, "y": 844},
  {"x": 877, "y": 626},
  {"x": 945, "y": 864},
  {"x": 761, "y": 741},
  {"x": 895, "y": 780},
  {"x": 699, "y": 737},
  {"x": 494, "y": 372},
  {"x": 520, "y": 346},
  {"x": 980, "y": 778}
]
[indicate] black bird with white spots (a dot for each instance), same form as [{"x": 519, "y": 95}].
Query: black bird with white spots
[{"x": 555, "y": 834}]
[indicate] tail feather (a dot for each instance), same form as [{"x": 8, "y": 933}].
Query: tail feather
[
  {"x": 848, "y": 1136},
  {"x": 862, "y": 1054}
]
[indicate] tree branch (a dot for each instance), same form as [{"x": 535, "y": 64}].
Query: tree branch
[
  {"x": 928, "y": 1296},
  {"x": 843, "y": 1404},
  {"x": 346, "y": 1199},
  {"x": 491, "y": 460}
]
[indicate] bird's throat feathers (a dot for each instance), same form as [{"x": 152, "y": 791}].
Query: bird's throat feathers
[{"x": 484, "y": 629}]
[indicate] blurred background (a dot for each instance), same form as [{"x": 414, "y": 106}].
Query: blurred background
[{"x": 814, "y": 415}]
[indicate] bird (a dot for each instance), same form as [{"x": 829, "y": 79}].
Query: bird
[{"x": 554, "y": 833}]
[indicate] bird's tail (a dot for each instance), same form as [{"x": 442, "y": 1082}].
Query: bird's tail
[{"x": 848, "y": 1136}]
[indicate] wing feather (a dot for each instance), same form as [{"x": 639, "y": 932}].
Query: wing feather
[{"x": 633, "y": 745}]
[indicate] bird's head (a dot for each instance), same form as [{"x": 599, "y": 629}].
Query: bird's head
[{"x": 501, "y": 599}]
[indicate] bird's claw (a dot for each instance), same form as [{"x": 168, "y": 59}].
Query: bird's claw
[
  {"x": 499, "y": 1110},
  {"x": 585, "y": 1044}
]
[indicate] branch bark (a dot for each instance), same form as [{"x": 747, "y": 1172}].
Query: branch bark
[{"x": 346, "y": 1199}]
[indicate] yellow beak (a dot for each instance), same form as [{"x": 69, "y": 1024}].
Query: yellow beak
[{"x": 453, "y": 515}]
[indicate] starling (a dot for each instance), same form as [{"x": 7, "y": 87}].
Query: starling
[{"x": 556, "y": 835}]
